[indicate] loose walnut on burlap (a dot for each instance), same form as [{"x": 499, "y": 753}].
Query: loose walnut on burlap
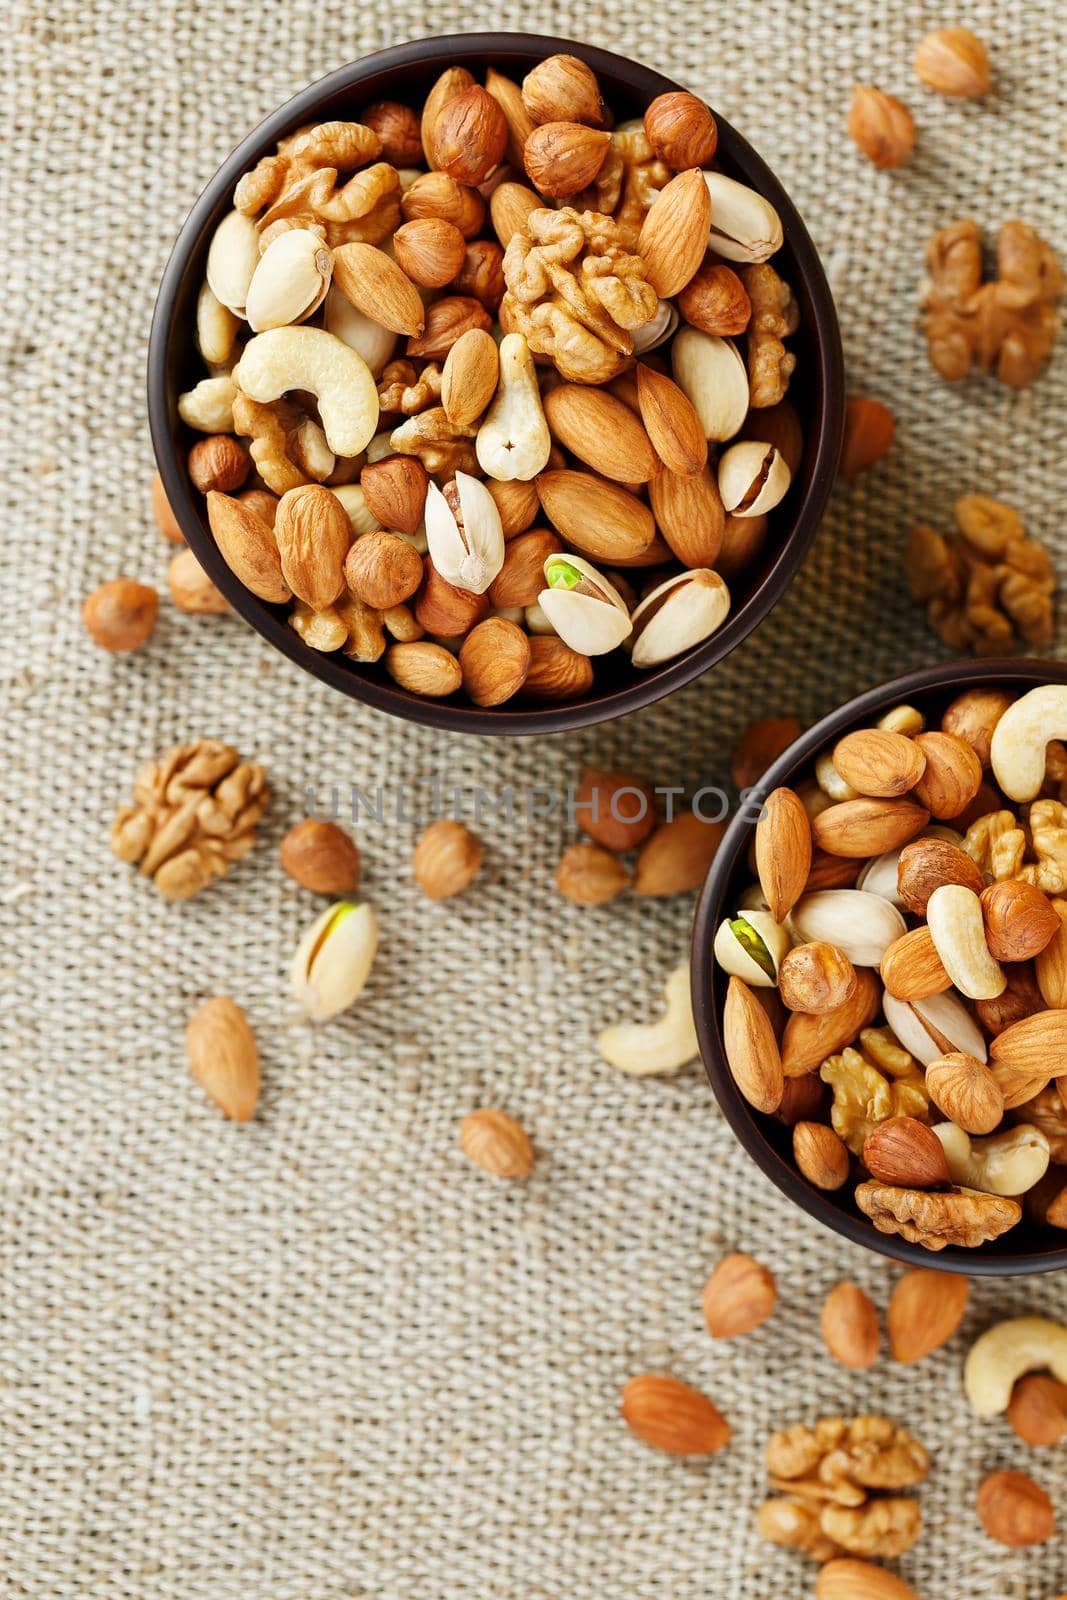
[
  {"x": 824, "y": 1476},
  {"x": 986, "y": 581},
  {"x": 1007, "y": 325},
  {"x": 577, "y": 292},
  {"x": 195, "y": 813}
]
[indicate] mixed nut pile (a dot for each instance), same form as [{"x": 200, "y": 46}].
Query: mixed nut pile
[
  {"x": 905, "y": 949},
  {"x": 496, "y": 386}
]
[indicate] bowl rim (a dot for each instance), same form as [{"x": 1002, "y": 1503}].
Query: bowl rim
[
  {"x": 828, "y": 376},
  {"x": 1028, "y": 672}
]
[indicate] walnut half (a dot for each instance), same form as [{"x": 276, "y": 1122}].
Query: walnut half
[{"x": 938, "y": 1218}]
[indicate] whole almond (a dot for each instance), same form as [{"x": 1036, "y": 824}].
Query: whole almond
[
  {"x": 925, "y": 1309},
  {"x": 1036, "y": 1046},
  {"x": 906, "y": 1153},
  {"x": 375, "y": 285},
  {"x": 783, "y": 851},
  {"x": 751, "y": 1048},
  {"x": 453, "y": 81},
  {"x": 966, "y": 1091},
  {"x": 423, "y": 668},
  {"x": 952, "y": 777},
  {"x": 881, "y": 125},
  {"x": 556, "y": 671},
  {"x": 223, "y": 1057},
  {"x": 321, "y": 857},
  {"x": 521, "y": 578},
  {"x": 867, "y": 827},
  {"x": 313, "y": 534},
  {"x": 820, "y": 1155},
  {"x": 191, "y": 589},
  {"x": 869, "y": 433},
  {"x": 496, "y": 1143},
  {"x": 1014, "y": 1510},
  {"x": 972, "y": 717},
  {"x": 846, "y": 1579},
  {"x": 562, "y": 157},
  {"x": 599, "y": 518},
  {"x": 803, "y": 1099},
  {"x": 831, "y": 872},
  {"x": 716, "y": 301},
  {"x": 516, "y": 503},
  {"x": 911, "y": 968},
  {"x": 849, "y": 1324},
  {"x": 121, "y": 614},
  {"x": 677, "y": 856},
  {"x": 681, "y": 130},
  {"x": 218, "y": 462},
  {"x": 395, "y": 492},
  {"x": 494, "y": 659},
  {"x": 166, "y": 521},
  {"x": 444, "y": 610},
  {"x": 674, "y": 234},
  {"x": 689, "y": 513},
  {"x": 430, "y": 251},
  {"x": 468, "y": 136},
  {"x": 759, "y": 747},
  {"x": 509, "y": 206},
  {"x": 446, "y": 859},
  {"x": 1019, "y": 920},
  {"x": 876, "y": 762},
  {"x": 600, "y": 431},
  {"x": 248, "y": 546},
  {"x": 926, "y": 864},
  {"x": 671, "y": 423},
  {"x": 669, "y": 1415},
  {"x": 953, "y": 61},
  {"x": 470, "y": 376},
  {"x": 808, "y": 1039},
  {"x": 1051, "y": 964},
  {"x": 1037, "y": 1410},
  {"x": 435, "y": 194},
  {"x": 616, "y": 808},
  {"x": 562, "y": 88},
  {"x": 520, "y": 124},
  {"x": 739, "y": 1295},
  {"x": 383, "y": 570},
  {"x": 447, "y": 321},
  {"x": 589, "y": 875},
  {"x": 815, "y": 977}
]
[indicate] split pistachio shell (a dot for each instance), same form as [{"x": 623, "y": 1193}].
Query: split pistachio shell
[
  {"x": 712, "y": 373},
  {"x": 514, "y": 442},
  {"x": 587, "y": 611},
  {"x": 747, "y": 944},
  {"x": 290, "y": 281},
  {"x": 232, "y": 258},
  {"x": 368, "y": 339},
  {"x": 861, "y": 924},
  {"x": 680, "y": 613},
  {"x": 947, "y": 1014},
  {"x": 656, "y": 331},
  {"x": 468, "y": 552},
  {"x": 753, "y": 478},
  {"x": 744, "y": 226},
  {"x": 333, "y": 959}
]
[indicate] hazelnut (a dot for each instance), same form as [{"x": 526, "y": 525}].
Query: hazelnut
[
  {"x": 716, "y": 301},
  {"x": 444, "y": 610},
  {"x": 383, "y": 570},
  {"x": 419, "y": 666},
  {"x": 494, "y": 659},
  {"x": 904, "y": 1152},
  {"x": 925, "y": 864},
  {"x": 120, "y": 615},
  {"x": 482, "y": 273},
  {"x": 435, "y": 194},
  {"x": 395, "y": 492},
  {"x": 468, "y": 136},
  {"x": 681, "y": 130},
  {"x": 1014, "y": 1510},
  {"x": 218, "y": 462},
  {"x": 320, "y": 856},
  {"x": 953, "y": 61},
  {"x": 850, "y": 1326},
  {"x": 1019, "y": 920},
  {"x": 430, "y": 250},
  {"x": 869, "y": 430},
  {"x": 446, "y": 859},
  {"x": 563, "y": 89},
  {"x": 166, "y": 521},
  {"x": 881, "y": 125},
  {"x": 191, "y": 589},
  {"x": 616, "y": 809},
  {"x": 590, "y": 875},
  {"x": 739, "y": 1295},
  {"x": 819, "y": 1153},
  {"x": 497, "y": 1143},
  {"x": 397, "y": 127},
  {"x": 1038, "y": 1410},
  {"x": 563, "y": 157},
  {"x": 815, "y": 978}
]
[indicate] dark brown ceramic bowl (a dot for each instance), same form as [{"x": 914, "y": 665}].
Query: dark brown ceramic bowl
[
  {"x": 1025, "y": 1248},
  {"x": 405, "y": 73}
]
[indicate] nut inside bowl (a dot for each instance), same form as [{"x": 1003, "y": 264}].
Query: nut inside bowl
[
  {"x": 406, "y": 73},
  {"x": 1025, "y": 1247}
]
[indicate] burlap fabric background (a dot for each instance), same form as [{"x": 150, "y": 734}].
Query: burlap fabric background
[{"x": 320, "y": 1356}]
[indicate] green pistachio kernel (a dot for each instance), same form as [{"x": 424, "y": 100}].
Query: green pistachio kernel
[
  {"x": 752, "y": 944},
  {"x": 561, "y": 575}
]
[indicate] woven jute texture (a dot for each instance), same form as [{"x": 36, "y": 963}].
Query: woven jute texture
[{"x": 320, "y": 1356}]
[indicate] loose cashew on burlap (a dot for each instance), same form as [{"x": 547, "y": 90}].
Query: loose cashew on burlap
[{"x": 642, "y": 1049}]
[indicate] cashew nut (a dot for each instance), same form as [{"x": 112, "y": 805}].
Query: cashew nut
[
  {"x": 1017, "y": 749},
  {"x": 232, "y": 258},
  {"x": 216, "y": 327},
  {"x": 514, "y": 441},
  {"x": 1005, "y": 1352},
  {"x": 284, "y": 359},
  {"x": 935, "y": 1026},
  {"x": 311, "y": 452},
  {"x": 954, "y": 917},
  {"x": 642, "y": 1049},
  {"x": 352, "y": 498},
  {"x": 209, "y": 407},
  {"x": 830, "y": 780},
  {"x": 1006, "y": 1163}
]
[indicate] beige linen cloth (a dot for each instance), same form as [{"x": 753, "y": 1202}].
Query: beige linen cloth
[{"x": 320, "y": 1357}]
